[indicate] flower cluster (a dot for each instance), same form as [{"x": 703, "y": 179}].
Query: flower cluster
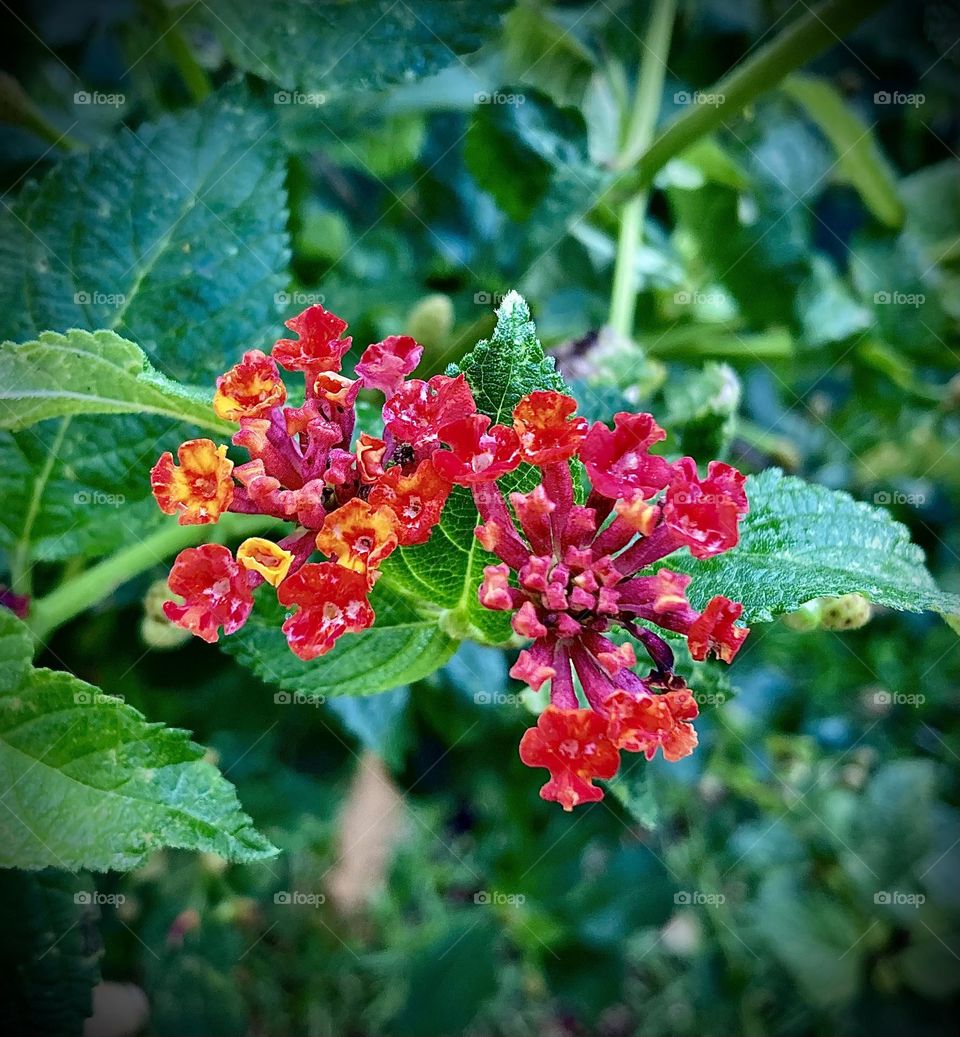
[
  {"x": 572, "y": 574},
  {"x": 354, "y": 498}
]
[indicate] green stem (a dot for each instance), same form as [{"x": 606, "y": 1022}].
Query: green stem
[
  {"x": 637, "y": 136},
  {"x": 194, "y": 76},
  {"x": 811, "y": 34},
  {"x": 99, "y": 581}
]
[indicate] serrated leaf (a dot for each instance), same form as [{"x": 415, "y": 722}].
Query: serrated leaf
[
  {"x": 49, "y": 960},
  {"x": 335, "y": 48},
  {"x": 96, "y": 372},
  {"x": 801, "y": 541},
  {"x": 403, "y": 646},
  {"x": 173, "y": 235},
  {"x": 86, "y": 782},
  {"x": 448, "y": 569}
]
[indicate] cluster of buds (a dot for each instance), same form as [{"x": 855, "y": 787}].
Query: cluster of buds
[
  {"x": 572, "y": 574},
  {"x": 353, "y": 498}
]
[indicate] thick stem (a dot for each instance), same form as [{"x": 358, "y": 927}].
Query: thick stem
[
  {"x": 193, "y": 75},
  {"x": 637, "y": 137},
  {"x": 814, "y": 32},
  {"x": 100, "y": 580}
]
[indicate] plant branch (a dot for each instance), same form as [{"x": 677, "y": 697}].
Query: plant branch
[
  {"x": 99, "y": 581},
  {"x": 810, "y": 35}
]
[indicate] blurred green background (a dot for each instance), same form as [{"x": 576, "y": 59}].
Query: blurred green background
[{"x": 799, "y": 296}]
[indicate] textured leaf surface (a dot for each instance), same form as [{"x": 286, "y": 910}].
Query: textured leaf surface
[
  {"x": 400, "y": 648},
  {"x": 448, "y": 569},
  {"x": 173, "y": 236},
  {"x": 338, "y": 47},
  {"x": 97, "y": 372},
  {"x": 86, "y": 782},
  {"x": 49, "y": 957},
  {"x": 802, "y": 541}
]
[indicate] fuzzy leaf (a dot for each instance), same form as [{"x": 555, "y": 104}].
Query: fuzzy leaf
[
  {"x": 403, "y": 646},
  {"x": 97, "y": 372},
  {"x": 87, "y": 783},
  {"x": 801, "y": 541},
  {"x": 338, "y": 48}
]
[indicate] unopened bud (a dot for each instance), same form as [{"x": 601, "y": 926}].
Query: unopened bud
[{"x": 155, "y": 629}]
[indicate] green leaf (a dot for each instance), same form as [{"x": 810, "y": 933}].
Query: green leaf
[
  {"x": 88, "y": 783},
  {"x": 50, "y": 954},
  {"x": 859, "y": 160},
  {"x": 448, "y": 569},
  {"x": 802, "y": 541},
  {"x": 402, "y": 647},
  {"x": 335, "y": 48},
  {"x": 173, "y": 236},
  {"x": 97, "y": 372}
]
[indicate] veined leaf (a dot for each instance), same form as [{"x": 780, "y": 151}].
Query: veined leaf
[
  {"x": 172, "y": 236},
  {"x": 802, "y": 541},
  {"x": 448, "y": 569},
  {"x": 859, "y": 161},
  {"x": 337, "y": 47},
  {"x": 86, "y": 782},
  {"x": 402, "y": 647},
  {"x": 97, "y": 372}
]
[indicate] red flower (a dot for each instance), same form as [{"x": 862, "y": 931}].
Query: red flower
[
  {"x": 385, "y": 364},
  {"x": 417, "y": 411},
  {"x": 200, "y": 489},
  {"x": 713, "y": 632},
  {"x": 319, "y": 348},
  {"x": 370, "y": 455},
  {"x": 654, "y": 722},
  {"x": 215, "y": 592},
  {"x": 618, "y": 461},
  {"x": 478, "y": 452},
  {"x": 704, "y": 513},
  {"x": 547, "y": 430},
  {"x": 572, "y": 744},
  {"x": 331, "y": 600},
  {"x": 249, "y": 389},
  {"x": 417, "y": 500}
]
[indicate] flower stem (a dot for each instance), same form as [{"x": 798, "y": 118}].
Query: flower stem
[
  {"x": 637, "y": 137},
  {"x": 193, "y": 75},
  {"x": 811, "y": 34},
  {"x": 99, "y": 581}
]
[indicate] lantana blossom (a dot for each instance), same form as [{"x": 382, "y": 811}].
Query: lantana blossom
[
  {"x": 351, "y": 496},
  {"x": 580, "y": 582}
]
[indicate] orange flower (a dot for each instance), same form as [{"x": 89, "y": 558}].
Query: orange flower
[
  {"x": 249, "y": 389},
  {"x": 417, "y": 500},
  {"x": 655, "y": 722},
  {"x": 359, "y": 536},
  {"x": 265, "y": 557},
  {"x": 200, "y": 489},
  {"x": 370, "y": 454}
]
